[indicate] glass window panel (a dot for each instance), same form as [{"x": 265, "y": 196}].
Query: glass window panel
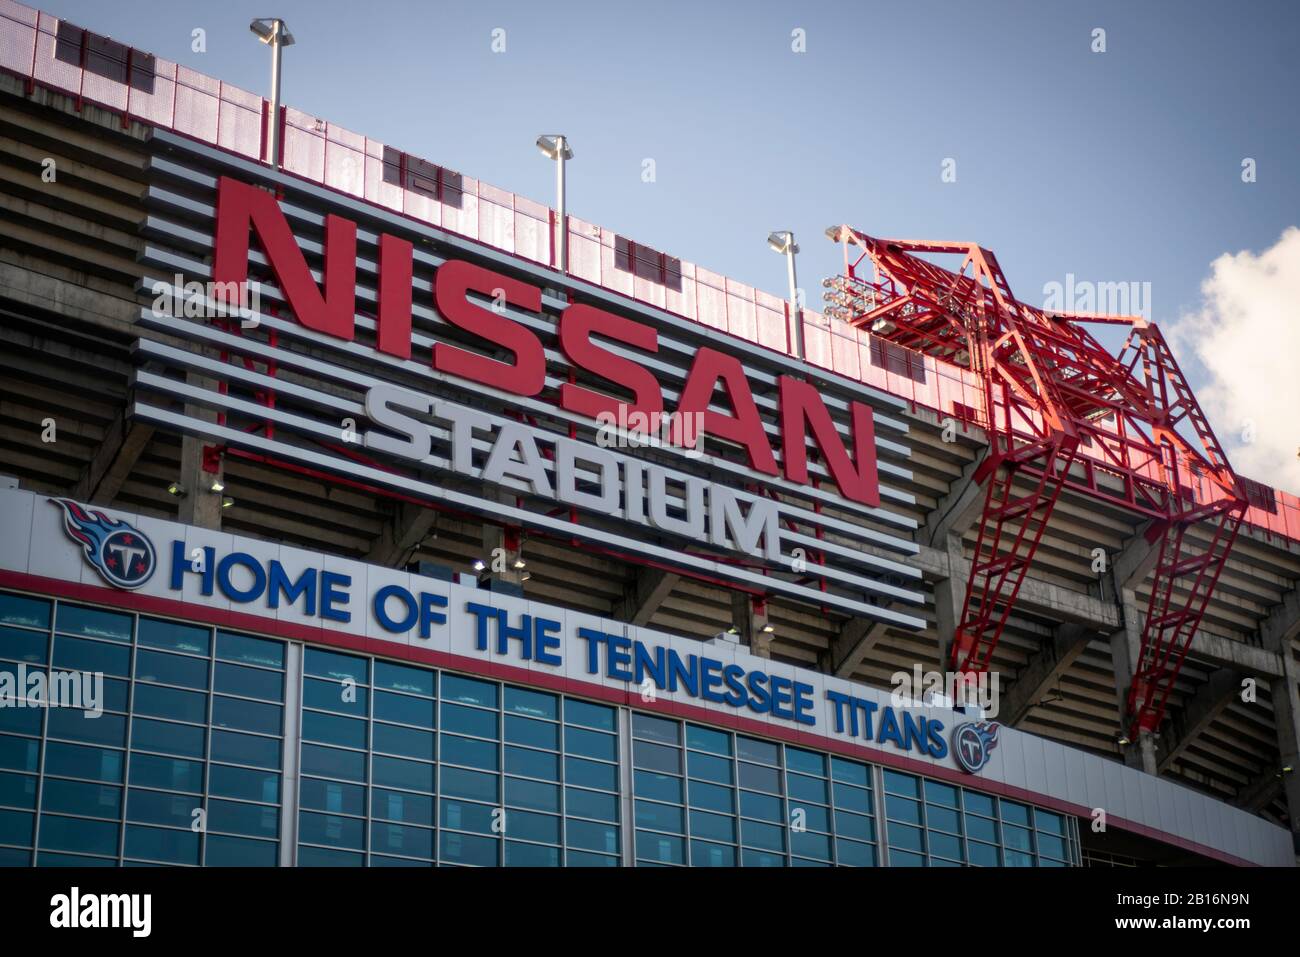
[
  {"x": 981, "y": 829},
  {"x": 332, "y": 696},
  {"x": 942, "y": 819},
  {"x": 75, "y": 725},
  {"x": 469, "y": 691},
  {"x": 331, "y": 664},
  {"x": 243, "y": 783},
  {"x": 473, "y": 721},
  {"x": 407, "y": 741},
  {"x": 249, "y": 682},
  {"x": 983, "y": 855},
  {"x": 532, "y": 764},
  {"x": 404, "y": 709},
  {"x": 23, "y": 720},
  {"x": 531, "y": 855},
  {"x": 591, "y": 744},
  {"x": 46, "y": 859},
  {"x": 250, "y": 651},
  {"x": 21, "y": 610},
  {"x": 222, "y": 851},
  {"x": 901, "y": 809},
  {"x": 457, "y": 782},
  {"x": 331, "y": 829},
  {"x": 712, "y": 797},
  {"x": 251, "y": 820},
  {"x": 92, "y": 622},
  {"x": 1050, "y": 846},
  {"x": 73, "y": 760},
  {"x": 1013, "y": 813},
  {"x": 804, "y": 788},
  {"x": 333, "y": 729},
  {"x": 171, "y": 669},
  {"x": 468, "y": 849},
  {"x": 904, "y": 859},
  {"x": 171, "y": 703},
  {"x": 171, "y": 774},
  {"x": 592, "y": 804},
  {"x": 656, "y": 757},
  {"x": 580, "y": 859},
  {"x": 530, "y": 826},
  {"x": 333, "y": 796},
  {"x": 660, "y": 817},
  {"x": 12, "y": 857},
  {"x": 159, "y": 844},
  {"x": 656, "y": 729},
  {"x": 975, "y": 803},
  {"x": 401, "y": 839},
  {"x": 906, "y": 838},
  {"x": 80, "y": 654},
  {"x": 938, "y": 793},
  {"x": 805, "y": 762},
  {"x": 1052, "y": 823},
  {"x": 857, "y": 826},
  {"x": 590, "y": 774},
  {"x": 401, "y": 806},
  {"x": 532, "y": 794},
  {"x": 76, "y": 834},
  {"x": 810, "y": 844},
  {"x": 537, "y": 704},
  {"x": 159, "y": 807},
  {"x": 716, "y": 827},
  {"x": 769, "y": 837},
  {"x": 945, "y": 845},
  {"x": 464, "y": 816},
  {"x": 470, "y": 752},
  {"x": 708, "y": 767},
  {"x": 707, "y": 739},
  {"x": 174, "y": 636},
  {"x": 1016, "y": 837},
  {"x": 419, "y": 681},
  {"x": 756, "y": 858},
  {"x": 751, "y": 749},
  {"x": 850, "y": 772},
  {"x": 245, "y": 749},
  {"x": 19, "y": 790},
  {"x": 852, "y": 798},
  {"x": 854, "y": 854},
  {"x": 77, "y": 797},
  {"x": 590, "y": 836},
  {"x": 760, "y": 778},
  {"x": 660, "y": 848},
  {"x": 246, "y": 715},
  {"x": 815, "y": 817},
  {"x": 397, "y": 773},
  {"x": 658, "y": 787},
  {"x": 328, "y": 857},
  {"x": 1017, "y": 859},
  {"x": 598, "y": 716},
  {"x": 904, "y": 784},
  {"x": 763, "y": 806},
  {"x": 712, "y": 855},
  {"x": 19, "y": 645},
  {"x": 538, "y": 734}
]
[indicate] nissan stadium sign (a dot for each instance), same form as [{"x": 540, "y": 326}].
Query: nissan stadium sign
[{"x": 407, "y": 364}]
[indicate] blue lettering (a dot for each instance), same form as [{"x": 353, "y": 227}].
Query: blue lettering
[
  {"x": 331, "y": 595},
  {"x": 243, "y": 560},
  {"x": 279, "y": 584},
  {"x": 379, "y": 605}
]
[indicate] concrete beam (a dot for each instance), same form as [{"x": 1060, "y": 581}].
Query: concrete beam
[
  {"x": 1134, "y": 562},
  {"x": 644, "y": 594},
  {"x": 401, "y": 535},
  {"x": 1278, "y": 632},
  {"x": 749, "y": 617},
  {"x": 958, "y": 510},
  {"x": 1124, "y": 649},
  {"x": 950, "y": 600},
  {"x": 1199, "y": 712},
  {"x": 857, "y": 637},
  {"x": 113, "y": 461},
  {"x": 1043, "y": 671},
  {"x": 1260, "y": 793}
]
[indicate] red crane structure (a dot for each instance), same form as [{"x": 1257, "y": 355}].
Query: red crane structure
[{"x": 1059, "y": 411}]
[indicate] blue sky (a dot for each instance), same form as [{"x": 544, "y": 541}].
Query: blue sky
[{"x": 1117, "y": 166}]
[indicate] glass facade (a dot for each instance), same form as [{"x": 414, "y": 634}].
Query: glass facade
[{"x": 399, "y": 765}]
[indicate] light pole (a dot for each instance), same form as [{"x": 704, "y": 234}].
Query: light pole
[
  {"x": 274, "y": 33},
  {"x": 556, "y": 146},
  {"x": 783, "y": 242}
]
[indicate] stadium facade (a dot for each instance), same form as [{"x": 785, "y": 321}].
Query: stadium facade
[{"x": 341, "y": 527}]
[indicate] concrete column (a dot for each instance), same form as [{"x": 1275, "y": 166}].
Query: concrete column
[
  {"x": 199, "y": 505},
  {"x": 502, "y": 553},
  {"x": 949, "y": 600},
  {"x": 749, "y": 616},
  {"x": 1279, "y": 632}
]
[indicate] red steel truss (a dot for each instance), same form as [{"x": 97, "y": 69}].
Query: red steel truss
[{"x": 1060, "y": 411}]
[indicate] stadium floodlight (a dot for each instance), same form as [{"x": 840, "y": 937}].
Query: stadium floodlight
[
  {"x": 783, "y": 242},
  {"x": 555, "y": 146},
  {"x": 274, "y": 33}
]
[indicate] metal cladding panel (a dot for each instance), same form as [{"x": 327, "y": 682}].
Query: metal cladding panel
[{"x": 37, "y": 554}]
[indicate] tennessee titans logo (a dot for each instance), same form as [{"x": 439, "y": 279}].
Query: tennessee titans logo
[
  {"x": 123, "y": 556},
  {"x": 973, "y": 743}
]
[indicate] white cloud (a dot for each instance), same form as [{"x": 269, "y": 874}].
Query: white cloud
[{"x": 1247, "y": 336}]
